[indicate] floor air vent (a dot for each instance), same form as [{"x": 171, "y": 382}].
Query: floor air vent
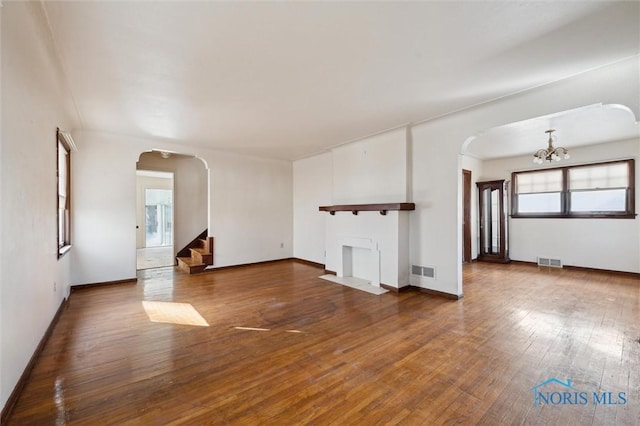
[
  {"x": 423, "y": 271},
  {"x": 552, "y": 263}
]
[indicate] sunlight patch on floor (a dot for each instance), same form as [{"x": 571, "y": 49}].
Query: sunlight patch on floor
[
  {"x": 252, "y": 328},
  {"x": 266, "y": 329},
  {"x": 174, "y": 313}
]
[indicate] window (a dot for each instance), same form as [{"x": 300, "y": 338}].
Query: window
[
  {"x": 540, "y": 192},
  {"x": 600, "y": 188},
  {"x": 594, "y": 190},
  {"x": 64, "y": 142}
]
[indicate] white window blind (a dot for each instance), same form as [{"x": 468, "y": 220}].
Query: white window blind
[
  {"x": 599, "y": 177},
  {"x": 536, "y": 182}
]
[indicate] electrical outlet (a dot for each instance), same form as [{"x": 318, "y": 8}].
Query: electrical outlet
[
  {"x": 281, "y": 245},
  {"x": 54, "y": 286}
]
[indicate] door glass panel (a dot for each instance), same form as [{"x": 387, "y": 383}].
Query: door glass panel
[
  {"x": 491, "y": 220},
  {"x": 495, "y": 222},
  {"x": 486, "y": 219},
  {"x": 158, "y": 217}
]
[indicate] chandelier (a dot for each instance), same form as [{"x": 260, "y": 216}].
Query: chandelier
[{"x": 550, "y": 154}]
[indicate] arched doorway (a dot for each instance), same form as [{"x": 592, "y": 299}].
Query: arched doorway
[
  {"x": 189, "y": 208},
  {"x": 593, "y": 134}
]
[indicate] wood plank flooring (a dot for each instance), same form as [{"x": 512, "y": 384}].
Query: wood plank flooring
[{"x": 285, "y": 347}]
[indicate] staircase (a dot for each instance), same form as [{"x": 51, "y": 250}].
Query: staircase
[{"x": 201, "y": 255}]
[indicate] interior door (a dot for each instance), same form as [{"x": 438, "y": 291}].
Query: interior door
[
  {"x": 466, "y": 216},
  {"x": 493, "y": 225}
]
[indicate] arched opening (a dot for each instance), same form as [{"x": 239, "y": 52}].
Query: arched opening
[
  {"x": 171, "y": 228},
  {"x": 592, "y": 134}
]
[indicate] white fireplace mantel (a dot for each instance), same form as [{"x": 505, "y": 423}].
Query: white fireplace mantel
[{"x": 379, "y": 244}]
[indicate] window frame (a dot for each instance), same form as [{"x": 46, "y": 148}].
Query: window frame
[
  {"x": 64, "y": 231},
  {"x": 565, "y": 195}
]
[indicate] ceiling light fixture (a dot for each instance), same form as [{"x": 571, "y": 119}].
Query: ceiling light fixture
[{"x": 550, "y": 154}]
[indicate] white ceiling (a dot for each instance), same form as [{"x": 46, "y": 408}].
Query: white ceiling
[
  {"x": 589, "y": 125},
  {"x": 289, "y": 79}
]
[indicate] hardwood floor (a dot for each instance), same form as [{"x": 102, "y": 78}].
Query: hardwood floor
[{"x": 307, "y": 351}]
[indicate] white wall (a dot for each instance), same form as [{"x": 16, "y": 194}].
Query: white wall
[
  {"x": 191, "y": 194},
  {"x": 103, "y": 206},
  {"x": 191, "y": 200},
  {"x": 34, "y": 102},
  {"x": 312, "y": 188},
  {"x": 595, "y": 243},
  {"x": 250, "y": 210},
  {"x": 372, "y": 170},
  {"x": 434, "y": 226}
]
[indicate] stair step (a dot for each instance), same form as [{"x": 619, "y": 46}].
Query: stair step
[
  {"x": 189, "y": 261},
  {"x": 190, "y": 265},
  {"x": 202, "y": 255},
  {"x": 200, "y": 250}
]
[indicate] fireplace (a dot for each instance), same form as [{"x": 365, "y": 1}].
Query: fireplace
[
  {"x": 360, "y": 259},
  {"x": 369, "y": 243}
]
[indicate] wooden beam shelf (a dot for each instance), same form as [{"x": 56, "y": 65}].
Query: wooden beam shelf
[{"x": 355, "y": 208}]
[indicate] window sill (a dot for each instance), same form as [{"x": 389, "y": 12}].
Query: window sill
[
  {"x": 64, "y": 250},
  {"x": 574, "y": 216}
]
